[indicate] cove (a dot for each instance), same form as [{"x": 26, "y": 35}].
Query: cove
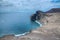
[{"x": 16, "y": 23}]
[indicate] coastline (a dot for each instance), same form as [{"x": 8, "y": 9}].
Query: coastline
[
  {"x": 18, "y": 35},
  {"x": 49, "y": 31},
  {"x": 38, "y": 23}
]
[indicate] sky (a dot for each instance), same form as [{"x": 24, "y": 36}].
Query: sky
[{"x": 18, "y": 5}]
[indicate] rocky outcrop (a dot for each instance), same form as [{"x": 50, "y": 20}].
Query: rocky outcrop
[
  {"x": 41, "y": 15},
  {"x": 37, "y": 15}
]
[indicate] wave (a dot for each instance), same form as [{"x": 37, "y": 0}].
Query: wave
[
  {"x": 22, "y": 34},
  {"x": 38, "y": 23}
]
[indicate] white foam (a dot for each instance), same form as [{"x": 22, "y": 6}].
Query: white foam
[
  {"x": 38, "y": 23},
  {"x": 22, "y": 34}
]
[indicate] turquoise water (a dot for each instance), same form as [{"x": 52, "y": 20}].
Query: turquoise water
[
  {"x": 16, "y": 23},
  {"x": 15, "y": 15}
]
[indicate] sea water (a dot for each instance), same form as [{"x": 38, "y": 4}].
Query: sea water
[
  {"x": 15, "y": 15},
  {"x": 16, "y": 23}
]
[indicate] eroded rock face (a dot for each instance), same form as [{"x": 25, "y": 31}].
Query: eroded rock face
[{"x": 37, "y": 16}]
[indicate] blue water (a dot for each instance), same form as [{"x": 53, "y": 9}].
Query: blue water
[
  {"x": 16, "y": 23},
  {"x": 15, "y": 14}
]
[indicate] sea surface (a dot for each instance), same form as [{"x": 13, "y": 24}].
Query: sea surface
[{"x": 15, "y": 14}]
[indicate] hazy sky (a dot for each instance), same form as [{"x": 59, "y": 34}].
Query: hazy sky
[{"x": 30, "y": 4}]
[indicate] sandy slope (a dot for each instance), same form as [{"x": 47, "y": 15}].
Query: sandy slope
[{"x": 49, "y": 31}]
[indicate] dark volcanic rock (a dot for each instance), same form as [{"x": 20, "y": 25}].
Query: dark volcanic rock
[{"x": 37, "y": 15}]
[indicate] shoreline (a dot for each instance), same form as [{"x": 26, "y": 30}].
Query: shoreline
[
  {"x": 38, "y": 23},
  {"x": 23, "y": 34}
]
